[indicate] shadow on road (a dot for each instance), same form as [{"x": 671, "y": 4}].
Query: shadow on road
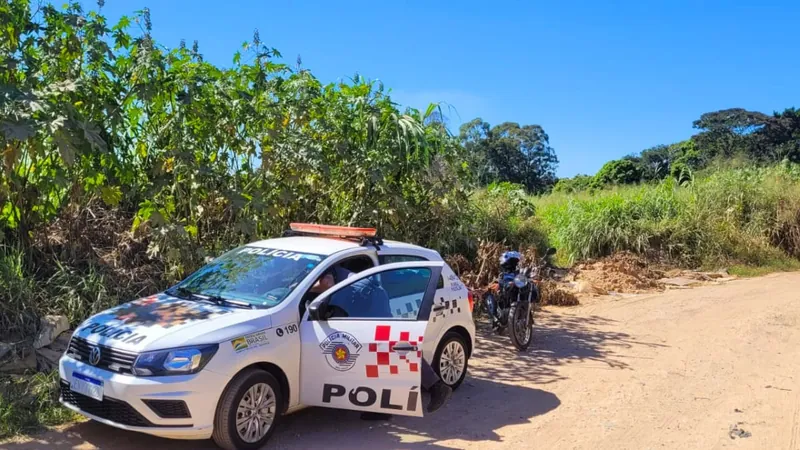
[
  {"x": 473, "y": 414},
  {"x": 558, "y": 340},
  {"x": 497, "y": 393}
]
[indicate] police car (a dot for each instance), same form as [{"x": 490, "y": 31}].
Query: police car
[{"x": 244, "y": 340}]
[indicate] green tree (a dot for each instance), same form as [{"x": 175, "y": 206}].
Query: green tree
[
  {"x": 510, "y": 152},
  {"x": 780, "y": 138},
  {"x": 728, "y": 132},
  {"x": 655, "y": 162},
  {"x": 620, "y": 171}
]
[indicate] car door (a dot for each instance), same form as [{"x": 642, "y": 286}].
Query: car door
[{"x": 361, "y": 341}]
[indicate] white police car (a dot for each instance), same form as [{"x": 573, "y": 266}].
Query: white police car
[{"x": 242, "y": 341}]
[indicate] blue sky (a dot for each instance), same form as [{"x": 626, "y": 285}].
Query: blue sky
[{"x": 604, "y": 79}]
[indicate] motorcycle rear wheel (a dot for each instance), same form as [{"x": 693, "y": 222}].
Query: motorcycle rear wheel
[{"x": 520, "y": 328}]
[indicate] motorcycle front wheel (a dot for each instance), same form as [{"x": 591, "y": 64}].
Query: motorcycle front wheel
[{"x": 520, "y": 328}]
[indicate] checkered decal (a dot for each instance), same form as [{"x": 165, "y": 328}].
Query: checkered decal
[
  {"x": 409, "y": 311},
  {"x": 450, "y": 307},
  {"x": 388, "y": 360}
]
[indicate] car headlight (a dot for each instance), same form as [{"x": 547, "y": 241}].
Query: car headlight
[
  {"x": 520, "y": 281},
  {"x": 176, "y": 361}
]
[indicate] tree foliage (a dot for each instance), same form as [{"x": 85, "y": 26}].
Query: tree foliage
[
  {"x": 510, "y": 152},
  {"x": 779, "y": 140},
  {"x": 205, "y": 157},
  {"x": 619, "y": 171},
  {"x": 753, "y": 135},
  {"x": 655, "y": 162}
]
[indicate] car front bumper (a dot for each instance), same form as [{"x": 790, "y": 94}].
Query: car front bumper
[{"x": 124, "y": 396}]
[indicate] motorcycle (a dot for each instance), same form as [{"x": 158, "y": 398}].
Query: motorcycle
[{"x": 512, "y": 304}]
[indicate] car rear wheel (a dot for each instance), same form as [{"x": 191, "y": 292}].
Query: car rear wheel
[
  {"x": 248, "y": 411},
  {"x": 450, "y": 361}
]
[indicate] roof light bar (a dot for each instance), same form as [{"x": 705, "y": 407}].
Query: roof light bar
[{"x": 333, "y": 230}]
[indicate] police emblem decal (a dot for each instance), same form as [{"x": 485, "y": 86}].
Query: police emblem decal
[{"x": 341, "y": 350}]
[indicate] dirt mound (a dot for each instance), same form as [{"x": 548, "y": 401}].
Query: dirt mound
[
  {"x": 621, "y": 272},
  {"x": 553, "y": 293}
]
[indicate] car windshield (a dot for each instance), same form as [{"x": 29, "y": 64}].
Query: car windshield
[{"x": 263, "y": 277}]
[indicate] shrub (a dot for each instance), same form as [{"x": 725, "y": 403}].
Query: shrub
[{"x": 577, "y": 183}]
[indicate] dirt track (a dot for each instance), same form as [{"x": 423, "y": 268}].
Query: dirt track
[{"x": 674, "y": 370}]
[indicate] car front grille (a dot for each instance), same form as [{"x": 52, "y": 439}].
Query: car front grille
[
  {"x": 109, "y": 408},
  {"x": 112, "y": 359},
  {"x": 169, "y": 409}
]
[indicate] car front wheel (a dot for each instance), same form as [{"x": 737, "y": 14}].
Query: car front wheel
[
  {"x": 450, "y": 361},
  {"x": 248, "y": 411}
]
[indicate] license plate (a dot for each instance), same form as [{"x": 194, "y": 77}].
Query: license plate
[{"x": 88, "y": 386}]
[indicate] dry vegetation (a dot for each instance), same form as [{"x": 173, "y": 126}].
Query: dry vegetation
[
  {"x": 481, "y": 274},
  {"x": 623, "y": 272}
]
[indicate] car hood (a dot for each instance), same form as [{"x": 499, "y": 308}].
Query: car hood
[{"x": 163, "y": 321}]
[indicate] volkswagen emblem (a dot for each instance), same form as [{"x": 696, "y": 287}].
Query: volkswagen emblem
[{"x": 94, "y": 356}]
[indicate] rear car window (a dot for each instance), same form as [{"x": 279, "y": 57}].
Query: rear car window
[{"x": 389, "y": 259}]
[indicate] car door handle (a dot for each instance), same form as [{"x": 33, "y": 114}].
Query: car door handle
[
  {"x": 404, "y": 347},
  {"x": 438, "y": 308}
]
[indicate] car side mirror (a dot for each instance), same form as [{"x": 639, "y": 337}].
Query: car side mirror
[
  {"x": 318, "y": 310},
  {"x": 551, "y": 251}
]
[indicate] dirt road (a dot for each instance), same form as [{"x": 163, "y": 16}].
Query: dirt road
[{"x": 675, "y": 370}]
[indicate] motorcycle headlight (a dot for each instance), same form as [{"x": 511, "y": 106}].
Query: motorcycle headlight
[
  {"x": 520, "y": 281},
  {"x": 176, "y": 361}
]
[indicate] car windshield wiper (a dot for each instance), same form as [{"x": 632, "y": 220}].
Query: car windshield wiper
[
  {"x": 225, "y": 302},
  {"x": 184, "y": 293},
  {"x": 195, "y": 296}
]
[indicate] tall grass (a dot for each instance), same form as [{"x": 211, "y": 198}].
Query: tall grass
[
  {"x": 20, "y": 298},
  {"x": 733, "y": 216},
  {"x": 30, "y": 402},
  {"x": 25, "y": 297},
  {"x": 503, "y": 213}
]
